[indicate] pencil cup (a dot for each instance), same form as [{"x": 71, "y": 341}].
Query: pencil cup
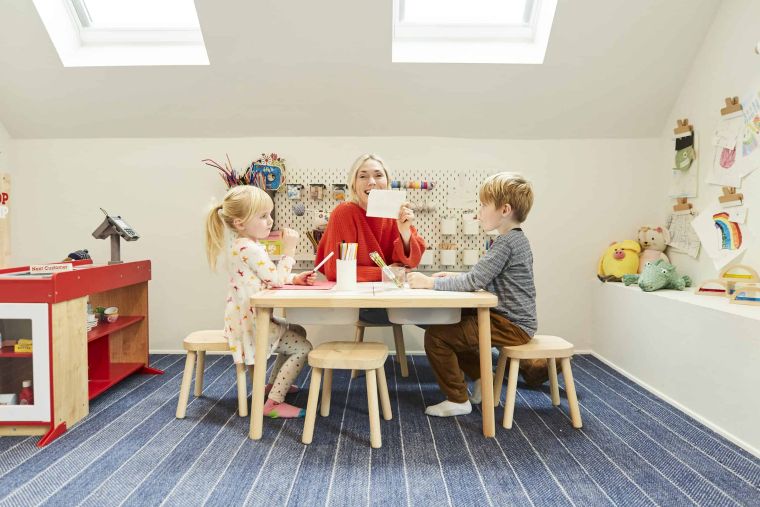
[
  {"x": 448, "y": 226},
  {"x": 470, "y": 257},
  {"x": 448, "y": 257},
  {"x": 346, "y": 274}
]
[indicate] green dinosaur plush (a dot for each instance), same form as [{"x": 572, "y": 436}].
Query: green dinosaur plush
[{"x": 658, "y": 275}]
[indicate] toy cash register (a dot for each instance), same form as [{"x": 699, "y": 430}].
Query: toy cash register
[{"x": 115, "y": 227}]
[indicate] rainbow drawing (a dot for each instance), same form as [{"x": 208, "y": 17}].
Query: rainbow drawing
[{"x": 731, "y": 233}]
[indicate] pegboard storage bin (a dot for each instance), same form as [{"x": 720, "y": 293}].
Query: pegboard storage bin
[
  {"x": 470, "y": 257},
  {"x": 471, "y": 227},
  {"x": 448, "y": 257},
  {"x": 428, "y": 220},
  {"x": 448, "y": 226},
  {"x": 428, "y": 258}
]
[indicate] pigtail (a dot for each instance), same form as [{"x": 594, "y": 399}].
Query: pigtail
[{"x": 214, "y": 235}]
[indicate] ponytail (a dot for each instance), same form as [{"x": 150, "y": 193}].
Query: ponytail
[{"x": 214, "y": 235}]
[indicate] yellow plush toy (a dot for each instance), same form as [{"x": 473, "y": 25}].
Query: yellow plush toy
[{"x": 619, "y": 259}]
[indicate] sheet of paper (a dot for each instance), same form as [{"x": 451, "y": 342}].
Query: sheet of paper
[
  {"x": 385, "y": 203},
  {"x": 721, "y": 238},
  {"x": 318, "y": 285},
  {"x": 683, "y": 237}
]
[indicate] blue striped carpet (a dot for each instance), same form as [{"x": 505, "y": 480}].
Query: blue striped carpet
[{"x": 634, "y": 449}]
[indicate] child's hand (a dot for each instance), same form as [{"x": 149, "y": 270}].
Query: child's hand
[
  {"x": 419, "y": 281},
  {"x": 305, "y": 278},
  {"x": 289, "y": 241}
]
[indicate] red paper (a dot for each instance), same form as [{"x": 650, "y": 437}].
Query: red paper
[{"x": 318, "y": 285}]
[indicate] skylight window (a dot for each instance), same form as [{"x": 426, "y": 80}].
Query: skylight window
[
  {"x": 151, "y": 14},
  {"x": 476, "y": 31},
  {"x": 124, "y": 32}
]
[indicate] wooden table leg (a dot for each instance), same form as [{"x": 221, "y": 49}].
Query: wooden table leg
[
  {"x": 486, "y": 374},
  {"x": 257, "y": 399}
]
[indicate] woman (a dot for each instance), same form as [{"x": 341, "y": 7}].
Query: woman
[{"x": 396, "y": 241}]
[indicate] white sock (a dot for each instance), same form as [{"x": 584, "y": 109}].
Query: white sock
[
  {"x": 449, "y": 408},
  {"x": 476, "y": 396}
]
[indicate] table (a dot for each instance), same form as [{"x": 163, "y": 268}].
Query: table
[{"x": 368, "y": 296}]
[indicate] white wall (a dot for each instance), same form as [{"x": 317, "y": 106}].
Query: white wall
[
  {"x": 5, "y": 142},
  {"x": 726, "y": 65},
  {"x": 587, "y": 192}
]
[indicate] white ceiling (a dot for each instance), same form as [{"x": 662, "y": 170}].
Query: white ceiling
[{"x": 279, "y": 68}]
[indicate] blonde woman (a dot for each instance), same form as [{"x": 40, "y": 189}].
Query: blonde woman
[
  {"x": 246, "y": 213},
  {"x": 397, "y": 241}
]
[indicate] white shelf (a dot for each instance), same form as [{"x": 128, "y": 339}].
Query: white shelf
[{"x": 688, "y": 296}]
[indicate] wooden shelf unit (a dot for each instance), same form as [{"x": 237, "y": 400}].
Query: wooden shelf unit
[{"x": 8, "y": 352}]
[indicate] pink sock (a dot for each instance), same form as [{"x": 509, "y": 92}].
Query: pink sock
[
  {"x": 283, "y": 410},
  {"x": 291, "y": 390}
]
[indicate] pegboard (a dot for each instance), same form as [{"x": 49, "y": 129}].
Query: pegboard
[{"x": 428, "y": 223}]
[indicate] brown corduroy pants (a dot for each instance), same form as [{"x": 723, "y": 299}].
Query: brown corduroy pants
[{"x": 453, "y": 352}]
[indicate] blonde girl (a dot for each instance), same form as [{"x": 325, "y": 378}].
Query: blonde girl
[{"x": 246, "y": 213}]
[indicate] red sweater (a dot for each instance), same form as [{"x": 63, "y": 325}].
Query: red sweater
[{"x": 350, "y": 223}]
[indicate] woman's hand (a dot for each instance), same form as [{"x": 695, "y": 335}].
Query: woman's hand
[
  {"x": 305, "y": 278},
  {"x": 289, "y": 241},
  {"x": 443, "y": 274},
  {"x": 419, "y": 281},
  {"x": 405, "y": 220}
]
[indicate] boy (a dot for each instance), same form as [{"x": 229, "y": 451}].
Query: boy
[{"x": 507, "y": 271}]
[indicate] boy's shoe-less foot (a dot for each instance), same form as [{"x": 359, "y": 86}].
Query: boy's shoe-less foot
[
  {"x": 283, "y": 410},
  {"x": 291, "y": 390},
  {"x": 449, "y": 408},
  {"x": 476, "y": 397}
]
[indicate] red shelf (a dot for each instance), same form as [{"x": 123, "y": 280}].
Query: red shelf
[
  {"x": 117, "y": 373},
  {"x": 106, "y": 328},
  {"x": 8, "y": 352}
]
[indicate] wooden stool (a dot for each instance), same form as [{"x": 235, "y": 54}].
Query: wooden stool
[
  {"x": 540, "y": 347},
  {"x": 348, "y": 356},
  {"x": 398, "y": 337},
  {"x": 197, "y": 344}
]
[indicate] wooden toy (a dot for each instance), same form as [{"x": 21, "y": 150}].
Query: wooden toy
[
  {"x": 712, "y": 287},
  {"x": 746, "y": 294}
]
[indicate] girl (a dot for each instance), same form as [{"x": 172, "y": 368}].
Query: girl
[{"x": 246, "y": 213}]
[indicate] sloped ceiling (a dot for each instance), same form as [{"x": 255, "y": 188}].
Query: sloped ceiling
[{"x": 613, "y": 69}]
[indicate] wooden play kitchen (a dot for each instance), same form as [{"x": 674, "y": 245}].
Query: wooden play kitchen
[{"x": 46, "y": 316}]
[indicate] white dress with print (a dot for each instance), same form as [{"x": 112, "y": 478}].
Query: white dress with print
[{"x": 251, "y": 270}]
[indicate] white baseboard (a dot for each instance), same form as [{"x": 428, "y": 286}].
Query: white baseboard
[{"x": 679, "y": 406}]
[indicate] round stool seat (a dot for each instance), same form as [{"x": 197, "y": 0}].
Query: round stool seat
[
  {"x": 540, "y": 347},
  {"x": 349, "y": 356},
  {"x": 208, "y": 341},
  {"x": 362, "y": 323}
]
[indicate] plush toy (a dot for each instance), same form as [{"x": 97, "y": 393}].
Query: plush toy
[
  {"x": 619, "y": 259},
  {"x": 658, "y": 275},
  {"x": 654, "y": 241}
]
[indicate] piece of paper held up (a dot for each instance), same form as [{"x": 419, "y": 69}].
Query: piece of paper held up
[
  {"x": 385, "y": 203},
  {"x": 464, "y": 195}
]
